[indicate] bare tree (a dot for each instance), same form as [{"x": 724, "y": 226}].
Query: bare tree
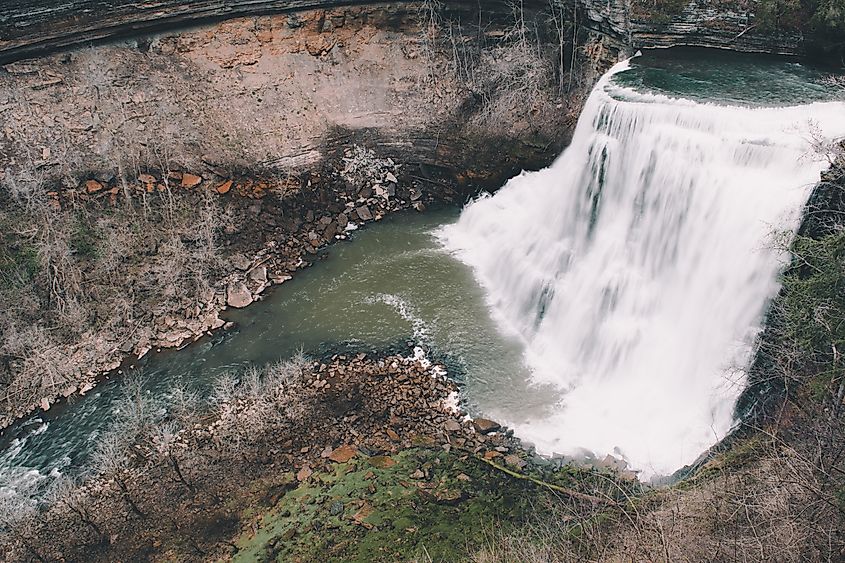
[
  {"x": 183, "y": 403},
  {"x": 18, "y": 515},
  {"x": 165, "y": 440},
  {"x": 66, "y": 492},
  {"x": 111, "y": 461}
]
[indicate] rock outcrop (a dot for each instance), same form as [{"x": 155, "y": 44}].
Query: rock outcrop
[
  {"x": 32, "y": 26},
  {"x": 29, "y": 27},
  {"x": 638, "y": 24}
]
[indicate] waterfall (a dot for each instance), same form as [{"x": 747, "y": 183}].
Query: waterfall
[{"x": 636, "y": 270}]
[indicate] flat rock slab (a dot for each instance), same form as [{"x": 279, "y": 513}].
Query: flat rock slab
[
  {"x": 485, "y": 426},
  {"x": 343, "y": 454}
]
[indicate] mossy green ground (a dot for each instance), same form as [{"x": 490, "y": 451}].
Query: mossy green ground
[{"x": 372, "y": 509}]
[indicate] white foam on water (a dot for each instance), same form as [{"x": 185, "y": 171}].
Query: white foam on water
[
  {"x": 407, "y": 311},
  {"x": 637, "y": 268}
]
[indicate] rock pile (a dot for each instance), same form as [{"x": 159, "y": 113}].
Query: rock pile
[
  {"x": 357, "y": 406},
  {"x": 384, "y": 405}
]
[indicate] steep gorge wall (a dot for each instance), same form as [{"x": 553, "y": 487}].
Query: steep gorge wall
[
  {"x": 34, "y": 27},
  {"x": 724, "y": 24},
  {"x": 30, "y": 27}
]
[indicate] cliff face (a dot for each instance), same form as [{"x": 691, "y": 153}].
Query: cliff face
[
  {"x": 725, "y": 24},
  {"x": 30, "y": 27}
]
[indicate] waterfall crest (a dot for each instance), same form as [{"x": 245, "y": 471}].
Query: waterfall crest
[{"x": 637, "y": 268}]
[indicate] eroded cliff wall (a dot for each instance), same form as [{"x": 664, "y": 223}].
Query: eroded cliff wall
[
  {"x": 724, "y": 24},
  {"x": 29, "y": 27},
  {"x": 32, "y": 26}
]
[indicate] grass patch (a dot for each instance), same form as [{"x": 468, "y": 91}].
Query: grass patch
[{"x": 422, "y": 503}]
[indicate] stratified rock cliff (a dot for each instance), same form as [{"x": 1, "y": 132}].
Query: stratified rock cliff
[
  {"x": 31, "y": 26},
  {"x": 725, "y": 24}
]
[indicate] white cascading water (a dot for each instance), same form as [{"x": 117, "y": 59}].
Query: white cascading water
[{"x": 637, "y": 268}]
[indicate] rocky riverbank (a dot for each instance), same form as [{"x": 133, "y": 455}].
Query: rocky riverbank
[
  {"x": 354, "y": 457},
  {"x": 269, "y": 231}
]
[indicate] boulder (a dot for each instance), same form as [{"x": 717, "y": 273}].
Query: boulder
[
  {"x": 452, "y": 425},
  {"x": 485, "y": 426},
  {"x": 382, "y": 461},
  {"x": 364, "y": 213},
  {"x": 280, "y": 278},
  {"x": 331, "y": 231},
  {"x": 93, "y": 186},
  {"x": 613, "y": 463},
  {"x": 241, "y": 262},
  {"x": 191, "y": 180},
  {"x": 343, "y": 454},
  {"x": 304, "y": 473},
  {"x": 515, "y": 461},
  {"x": 238, "y": 295},
  {"x": 258, "y": 274},
  {"x": 224, "y": 187}
]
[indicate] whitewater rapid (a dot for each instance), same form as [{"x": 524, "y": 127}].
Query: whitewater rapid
[{"x": 636, "y": 270}]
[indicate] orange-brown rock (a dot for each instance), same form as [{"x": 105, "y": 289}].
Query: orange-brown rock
[
  {"x": 93, "y": 186},
  {"x": 382, "y": 461},
  {"x": 343, "y": 454},
  {"x": 363, "y": 513},
  {"x": 304, "y": 473},
  {"x": 224, "y": 187},
  {"x": 317, "y": 46},
  {"x": 191, "y": 180}
]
